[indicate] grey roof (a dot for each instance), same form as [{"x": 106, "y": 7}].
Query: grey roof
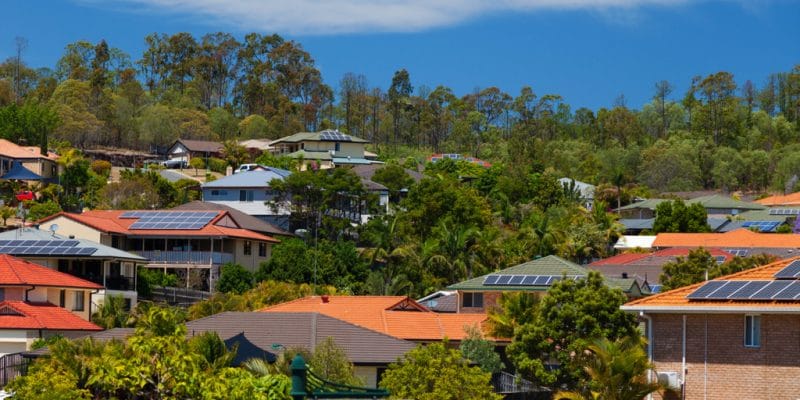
[
  {"x": 257, "y": 331},
  {"x": 373, "y": 186},
  {"x": 316, "y": 137},
  {"x": 586, "y": 189},
  {"x": 202, "y": 146},
  {"x": 248, "y": 179},
  {"x": 248, "y": 222},
  {"x": 103, "y": 251},
  {"x": 637, "y": 224},
  {"x": 368, "y": 171},
  {"x": 442, "y": 301}
]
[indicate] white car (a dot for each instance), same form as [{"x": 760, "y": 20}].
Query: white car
[{"x": 245, "y": 168}]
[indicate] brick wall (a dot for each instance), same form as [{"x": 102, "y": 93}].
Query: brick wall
[
  {"x": 718, "y": 364},
  {"x": 490, "y": 300}
]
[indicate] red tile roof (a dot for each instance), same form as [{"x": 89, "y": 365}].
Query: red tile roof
[
  {"x": 740, "y": 238},
  {"x": 109, "y": 221},
  {"x": 15, "y": 272},
  {"x": 396, "y": 316},
  {"x": 676, "y": 299},
  {"x": 632, "y": 258},
  {"x": 792, "y": 199},
  {"x": 30, "y": 315}
]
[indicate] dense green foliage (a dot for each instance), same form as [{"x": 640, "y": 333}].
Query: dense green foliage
[
  {"x": 234, "y": 278},
  {"x": 480, "y": 351},
  {"x": 571, "y": 315},
  {"x": 437, "y": 372},
  {"x": 675, "y": 216}
]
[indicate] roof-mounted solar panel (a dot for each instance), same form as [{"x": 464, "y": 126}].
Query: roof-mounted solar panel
[{"x": 791, "y": 271}]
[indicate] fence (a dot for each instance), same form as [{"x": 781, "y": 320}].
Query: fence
[
  {"x": 186, "y": 257},
  {"x": 179, "y": 296},
  {"x": 11, "y": 366}
]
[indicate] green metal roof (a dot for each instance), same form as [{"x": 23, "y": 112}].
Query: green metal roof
[
  {"x": 550, "y": 265},
  {"x": 761, "y": 215},
  {"x": 315, "y": 137},
  {"x": 649, "y": 204},
  {"x": 719, "y": 201}
]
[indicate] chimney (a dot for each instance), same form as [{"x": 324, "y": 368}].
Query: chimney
[{"x": 325, "y": 298}]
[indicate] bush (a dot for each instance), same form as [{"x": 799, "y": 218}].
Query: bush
[
  {"x": 217, "y": 165},
  {"x": 234, "y": 278},
  {"x": 42, "y": 210},
  {"x": 101, "y": 167}
]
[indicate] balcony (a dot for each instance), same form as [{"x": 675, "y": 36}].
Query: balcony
[
  {"x": 112, "y": 282},
  {"x": 186, "y": 257}
]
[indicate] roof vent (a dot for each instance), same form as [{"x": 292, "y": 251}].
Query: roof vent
[{"x": 326, "y": 299}]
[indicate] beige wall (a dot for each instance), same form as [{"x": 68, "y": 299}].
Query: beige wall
[
  {"x": 53, "y": 295},
  {"x": 252, "y": 261},
  {"x": 67, "y": 226},
  {"x": 345, "y": 148},
  {"x": 42, "y": 167},
  {"x": 13, "y": 341},
  {"x": 367, "y": 374}
]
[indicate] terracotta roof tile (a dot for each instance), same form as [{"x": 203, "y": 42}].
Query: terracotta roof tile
[
  {"x": 13, "y": 150},
  {"x": 396, "y": 316},
  {"x": 740, "y": 238},
  {"x": 15, "y": 271},
  {"x": 792, "y": 199},
  {"x": 111, "y": 222},
  {"x": 677, "y": 297},
  {"x": 30, "y": 315}
]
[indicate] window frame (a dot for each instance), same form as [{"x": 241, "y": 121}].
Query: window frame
[
  {"x": 79, "y": 305},
  {"x": 752, "y": 331},
  {"x": 472, "y": 296},
  {"x": 262, "y": 249},
  {"x": 247, "y": 248},
  {"x": 62, "y": 298}
]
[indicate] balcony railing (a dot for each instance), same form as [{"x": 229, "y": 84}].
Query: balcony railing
[
  {"x": 112, "y": 282},
  {"x": 186, "y": 257}
]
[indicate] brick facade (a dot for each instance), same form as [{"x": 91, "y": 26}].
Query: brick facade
[
  {"x": 490, "y": 300},
  {"x": 718, "y": 364}
]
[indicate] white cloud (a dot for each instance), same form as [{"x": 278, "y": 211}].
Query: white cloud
[{"x": 321, "y": 17}]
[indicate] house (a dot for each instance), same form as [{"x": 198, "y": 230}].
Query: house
[
  {"x": 647, "y": 266},
  {"x": 245, "y": 221},
  {"x": 29, "y": 158},
  {"x": 328, "y": 149},
  {"x": 535, "y": 276},
  {"x": 397, "y": 316},
  {"x": 586, "y": 191},
  {"x": 190, "y": 244},
  {"x": 113, "y": 269},
  {"x": 734, "y": 337},
  {"x": 716, "y": 206},
  {"x": 458, "y": 157},
  {"x": 788, "y": 200},
  {"x": 39, "y": 302},
  {"x": 267, "y": 334},
  {"x": 185, "y": 149},
  {"x": 741, "y": 242},
  {"x": 250, "y": 193}
]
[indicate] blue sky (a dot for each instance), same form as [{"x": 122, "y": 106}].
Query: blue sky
[{"x": 588, "y": 51}]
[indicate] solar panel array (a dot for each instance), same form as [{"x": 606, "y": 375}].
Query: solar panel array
[
  {"x": 738, "y": 252},
  {"x": 171, "y": 220},
  {"x": 720, "y": 259},
  {"x": 525, "y": 280},
  {"x": 748, "y": 290},
  {"x": 763, "y": 226},
  {"x": 791, "y": 271},
  {"x": 44, "y": 247},
  {"x": 335, "y": 136},
  {"x": 784, "y": 211}
]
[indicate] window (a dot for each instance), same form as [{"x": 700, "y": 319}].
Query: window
[
  {"x": 62, "y": 298},
  {"x": 2, "y": 294},
  {"x": 752, "y": 331},
  {"x": 472, "y": 300},
  {"x": 245, "y": 195},
  {"x": 248, "y": 248},
  {"x": 79, "y": 300},
  {"x": 215, "y": 192},
  {"x": 115, "y": 241},
  {"x": 262, "y": 249},
  {"x": 337, "y": 146}
]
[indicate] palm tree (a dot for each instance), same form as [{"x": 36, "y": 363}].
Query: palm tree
[
  {"x": 514, "y": 309},
  {"x": 111, "y": 314},
  {"x": 617, "y": 371}
]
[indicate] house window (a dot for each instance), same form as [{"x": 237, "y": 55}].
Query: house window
[
  {"x": 215, "y": 192},
  {"x": 79, "y": 300},
  {"x": 472, "y": 300},
  {"x": 62, "y": 298},
  {"x": 115, "y": 242},
  {"x": 248, "y": 248},
  {"x": 262, "y": 249},
  {"x": 246, "y": 195},
  {"x": 337, "y": 146},
  {"x": 2, "y": 294},
  {"x": 752, "y": 331}
]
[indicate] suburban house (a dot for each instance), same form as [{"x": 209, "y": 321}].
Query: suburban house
[
  {"x": 113, "y": 269},
  {"x": 480, "y": 294},
  {"x": 586, "y": 191},
  {"x": 39, "y": 302},
  {"x": 717, "y": 206},
  {"x": 185, "y": 150},
  {"x": 29, "y": 158},
  {"x": 327, "y": 149},
  {"x": 741, "y": 242},
  {"x": 734, "y": 337},
  {"x": 245, "y": 221},
  {"x": 397, "y": 316},
  {"x": 190, "y": 244},
  {"x": 250, "y": 192},
  {"x": 647, "y": 266},
  {"x": 787, "y": 200}
]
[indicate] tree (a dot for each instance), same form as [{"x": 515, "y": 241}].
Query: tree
[
  {"x": 111, "y": 314},
  {"x": 234, "y": 278},
  {"x": 7, "y": 212},
  {"x": 330, "y": 362},
  {"x": 675, "y": 216},
  {"x": 395, "y": 178},
  {"x": 197, "y": 163},
  {"x": 480, "y": 351},
  {"x": 41, "y": 210},
  {"x": 570, "y": 316},
  {"x": 437, "y": 372},
  {"x": 699, "y": 265},
  {"x": 617, "y": 370},
  {"x": 514, "y": 310}
]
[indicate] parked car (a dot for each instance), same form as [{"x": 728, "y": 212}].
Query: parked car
[
  {"x": 25, "y": 195},
  {"x": 175, "y": 164},
  {"x": 245, "y": 168}
]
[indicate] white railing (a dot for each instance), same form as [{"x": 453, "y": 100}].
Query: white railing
[{"x": 186, "y": 257}]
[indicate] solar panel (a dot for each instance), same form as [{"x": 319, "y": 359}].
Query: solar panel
[
  {"x": 720, "y": 259},
  {"x": 190, "y": 220},
  {"x": 784, "y": 211},
  {"x": 490, "y": 280},
  {"x": 769, "y": 291},
  {"x": 47, "y": 250},
  {"x": 503, "y": 279},
  {"x": 748, "y": 290},
  {"x": 516, "y": 279},
  {"x": 738, "y": 252},
  {"x": 543, "y": 280},
  {"x": 707, "y": 289},
  {"x": 790, "y": 293},
  {"x": 790, "y": 271},
  {"x": 335, "y": 136},
  {"x": 763, "y": 226},
  {"x": 529, "y": 280},
  {"x": 37, "y": 243}
]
